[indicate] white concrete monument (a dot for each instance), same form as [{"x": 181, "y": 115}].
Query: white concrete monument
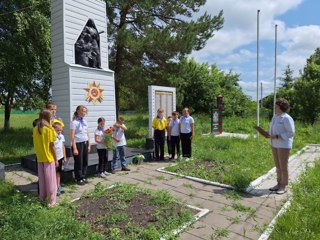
[
  {"x": 160, "y": 97},
  {"x": 80, "y": 71}
]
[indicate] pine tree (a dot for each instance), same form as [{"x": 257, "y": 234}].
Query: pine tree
[{"x": 147, "y": 37}]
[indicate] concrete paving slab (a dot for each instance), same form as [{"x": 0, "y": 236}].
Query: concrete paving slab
[{"x": 222, "y": 216}]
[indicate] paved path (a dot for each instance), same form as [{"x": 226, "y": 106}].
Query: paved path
[{"x": 229, "y": 218}]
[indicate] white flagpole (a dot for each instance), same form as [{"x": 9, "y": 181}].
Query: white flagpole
[
  {"x": 258, "y": 122},
  {"x": 275, "y": 68}
]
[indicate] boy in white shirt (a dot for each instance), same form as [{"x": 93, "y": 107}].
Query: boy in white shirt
[{"x": 119, "y": 142}]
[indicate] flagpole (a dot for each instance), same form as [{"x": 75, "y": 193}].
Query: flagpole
[
  {"x": 275, "y": 68},
  {"x": 258, "y": 122}
]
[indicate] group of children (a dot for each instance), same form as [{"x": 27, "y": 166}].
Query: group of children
[
  {"x": 50, "y": 151},
  {"x": 177, "y": 129}
]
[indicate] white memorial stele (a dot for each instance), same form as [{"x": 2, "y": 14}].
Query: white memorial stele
[
  {"x": 160, "y": 97},
  {"x": 74, "y": 84}
]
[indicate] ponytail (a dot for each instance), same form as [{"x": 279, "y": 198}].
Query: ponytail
[
  {"x": 75, "y": 114},
  {"x": 44, "y": 119}
]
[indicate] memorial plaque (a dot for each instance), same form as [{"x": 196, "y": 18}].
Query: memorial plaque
[
  {"x": 160, "y": 97},
  {"x": 215, "y": 121}
]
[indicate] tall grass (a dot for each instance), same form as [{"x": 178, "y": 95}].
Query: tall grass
[{"x": 301, "y": 220}]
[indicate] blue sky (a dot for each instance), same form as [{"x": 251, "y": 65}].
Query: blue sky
[{"x": 234, "y": 47}]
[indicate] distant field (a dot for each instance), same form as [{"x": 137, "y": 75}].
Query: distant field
[{"x": 17, "y": 142}]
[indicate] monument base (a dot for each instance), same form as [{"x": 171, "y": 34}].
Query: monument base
[{"x": 149, "y": 143}]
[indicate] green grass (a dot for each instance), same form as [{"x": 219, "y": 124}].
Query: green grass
[
  {"x": 137, "y": 129},
  {"x": 301, "y": 220},
  {"x": 236, "y": 161},
  {"x": 18, "y": 141},
  {"x": 24, "y": 217}
]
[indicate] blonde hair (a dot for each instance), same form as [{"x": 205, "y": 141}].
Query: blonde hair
[{"x": 79, "y": 108}]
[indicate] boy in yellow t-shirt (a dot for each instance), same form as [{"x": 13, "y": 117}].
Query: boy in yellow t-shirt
[
  {"x": 43, "y": 140},
  {"x": 159, "y": 125}
]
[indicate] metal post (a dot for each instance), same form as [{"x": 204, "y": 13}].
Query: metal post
[
  {"x": 261, "y": 97},
  {"x": 258, "y": 122},
  {"x": 275, "y": 69}
]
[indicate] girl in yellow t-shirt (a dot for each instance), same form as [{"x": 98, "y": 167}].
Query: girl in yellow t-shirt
[{"x": 43, "y": 140}]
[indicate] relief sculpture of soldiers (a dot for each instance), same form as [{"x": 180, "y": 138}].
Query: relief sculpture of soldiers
[{"x": 87, "y": 47}]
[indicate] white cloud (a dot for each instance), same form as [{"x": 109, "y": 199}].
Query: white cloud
[
  {"x": 299, "y": 43},
  {"x": 234, "y": 45}
]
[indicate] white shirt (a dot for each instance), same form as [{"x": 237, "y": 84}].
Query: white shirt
[
  {"x": 119, "y": 133},
  {"x": 80, "y": 127},
  {"x": 282, "y": 125},
  {"x": 59, "y": 146},
  {"x": 185, "y": 123},
  {"x": 100, "y": 133},
  {"x": 174, "y": 125}
]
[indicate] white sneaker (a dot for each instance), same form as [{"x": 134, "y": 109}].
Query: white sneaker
[
  {"x": 106, "y": 173},
  {"x": 282, "y": 190},
  {"x": 102, "y": 175}
]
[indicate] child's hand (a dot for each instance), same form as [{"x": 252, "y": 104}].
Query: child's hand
[
  {"x": 57, "y": 164},
  {"x": 117, "y": 139},
  {"x": 75, "y": 152},
  {"x": 89, "y": 148}
]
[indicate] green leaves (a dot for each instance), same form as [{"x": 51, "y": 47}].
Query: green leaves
[
  {"x": 147, "y": 38},
  {"x": 25, "y": 73}
]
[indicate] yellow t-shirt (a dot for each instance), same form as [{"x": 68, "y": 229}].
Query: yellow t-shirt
[
  {"x": 159, "y": 125},
  {"x": 42, "y": 142}
]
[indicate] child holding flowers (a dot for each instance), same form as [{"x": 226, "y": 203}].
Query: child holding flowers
[
  {"x": 119, "y": 142},
  {"x": 101, "y": 139}
]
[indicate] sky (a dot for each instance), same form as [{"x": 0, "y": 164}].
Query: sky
[{"x": 234, "y": 47}]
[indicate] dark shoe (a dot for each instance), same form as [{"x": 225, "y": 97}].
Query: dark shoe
[
  {"x": 275, "y": 188},
  {"x": 125, "y": 169},
  {"x": 80, "y": 182},
  {"x": 85, "y": 181},
  {"x": 113, "y": 171},
  {"x": 60, "y": 190}
]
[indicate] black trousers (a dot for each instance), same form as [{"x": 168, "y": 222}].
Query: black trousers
[
  {"x": 104, "y": 164},
  {"x": 159, "y": 141},
  {"x": 169, "y": 146},
  {"x": 186, "y": 144},
  {"x": 81, "y": 161},
  {"x": 175, "y": 145}
]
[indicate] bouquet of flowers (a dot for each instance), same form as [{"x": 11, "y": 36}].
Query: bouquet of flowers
[{"x": 108, "y": 138}]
